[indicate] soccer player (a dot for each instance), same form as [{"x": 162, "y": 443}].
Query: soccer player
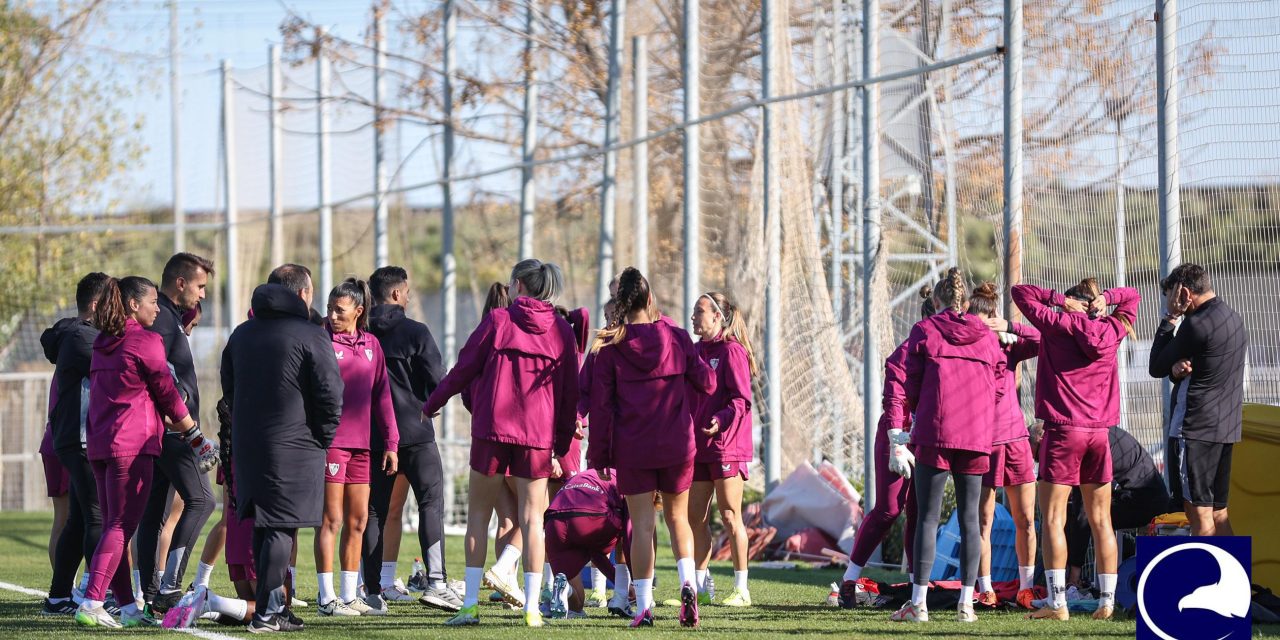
[{"x": 584, "y": 522}]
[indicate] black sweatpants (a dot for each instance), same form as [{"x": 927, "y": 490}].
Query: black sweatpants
[
  {"x": 177, "y": 469},
  {"x": 1129, "y": 510},
  {"x": 272, "y": 548},
  {"x": 80, "y": 536},
  {"x": 930, "y": 484},
  {"x": 421, "y": 465}
]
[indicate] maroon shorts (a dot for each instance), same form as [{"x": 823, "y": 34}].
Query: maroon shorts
[
  {"x": 1011, "y": 465},
  {"x": 674, "y": 479},
  {"x": 347, "y": 466},
  {"x": 492, "y": 458},
  {"x": 573, "y": 540},
  {"x": 969, "y": 463},
  {"x": 56, "y": 479},
  {"x": 243, "y": 572},
  {"x": 710, "y": 471},
  {"x": 1074, "y": 457}
]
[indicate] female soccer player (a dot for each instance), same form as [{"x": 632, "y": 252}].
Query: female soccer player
[
  {"x": 130, "y": 388},
  {"x": 1012, "y": 466},
  {"x": 366, "y": 400},
  {"x": 952, "y": 365},
  {"x": 642, "y": 428},
  {"x": 722, "y": 433},
  {"x": 585, "y": 521},
  {"x": 1078, "y": 397},
  {"x": 526, "y": 364}
]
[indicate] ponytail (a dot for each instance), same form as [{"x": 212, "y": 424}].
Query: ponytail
[
  {"x": 983, "y": 300},
  {"x": 113, "y": 305},
  {"x": 542, "y": 280},
  {"x": 497, "y": 298},
  {"x": 732, "y": 326},
  {"x": 926, "y": 305},
  {"x": 633, "y": 295},
  {"x": 950, "y": 291},
  {"x": 358, "y": 291}
]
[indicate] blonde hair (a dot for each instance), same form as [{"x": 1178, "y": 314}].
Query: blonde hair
[
  {"x": 950, "y": 292},
  {"x": 732, "y": 326}
]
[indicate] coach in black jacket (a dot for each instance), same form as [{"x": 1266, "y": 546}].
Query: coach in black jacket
[
  {"x": 281, "y": 379},
  {"x": 415, "y": 368}
]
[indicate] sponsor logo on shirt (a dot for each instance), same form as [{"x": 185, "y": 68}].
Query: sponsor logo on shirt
[
  {"x": 1194, "y": 587},
  {"x": 714, "y": 362},
  {"x": 333, "y": 469},
  {"x": 368, "y": 353}
]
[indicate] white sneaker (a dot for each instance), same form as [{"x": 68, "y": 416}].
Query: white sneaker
[
  {"x": 910, "y": 613},
  {"x": 966, "y": 614},
  {"x": 397, "y": 593},
  {"x": 95, "y": 617},
  {"x": 362, "y": 607},
  {"x": 506, "y": 585},
  {"x": 336, "y": 607},
  {"x": 296, "y": 603}
]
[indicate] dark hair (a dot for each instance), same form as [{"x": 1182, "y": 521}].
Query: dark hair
[
  {"x": 983, "y": 300},
  {"x": 950, "y": 291},
  {"x": 113, "y": 309},
  {"x": 1190, "y": 275},
  {"x": 184, "y": 265},
  {"x": 498, "y": 298},
  {"x": 926, "y": 305},
  {"x": 358, "y": 291},
  {"x": 294, "y": 277},
  {"x": 633, "y": 295},
  {"x": 1088, "y": 289},
  {"x": 89, "y": 289},
  {"x": 541, "y": 280},
  {"x": 385, "y": 280}
]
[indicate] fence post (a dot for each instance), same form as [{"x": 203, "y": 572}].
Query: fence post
[
  {"x": 870, "y": 242},
  {"x": 609, "y": 185},
  {"x": 1169, "y": 200},
  {"x": 276, "y": 159},
  {"x": 449, "y": 265},
  {"x": 692, "y": 75},
  {"x": 528, "y": 190},
  {"x": 640, "y": 152},
  {"x": 1012, "y": 150},
  {"x": 323, "y": 169},
  {"x": 380, "y": 257},
  {"x": 835, "y": 239},
  {"x": 229, "y": 183},
  {"x": 175, "y": 131},
  {"x": 773, "y": 250}
]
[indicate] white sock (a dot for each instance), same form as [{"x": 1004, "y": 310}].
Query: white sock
[
  {"x": 740, "y": 580},
  {"x": 531, "y": 582},
  {"x": 1107, "y": 589},
  {"x": 548, "y": 578},
  {"x": 685, "y": 567},
  {"x": 137, "y": 585},
  {"x": 597, "y": 581},
  {"x": 700, "y": 579},
  {"x": 233, "y": 607},
  {"x": 203, "y": 573},
  {"x": 984, "y": 584},
  {"x": 84, "y": 581},
  {"x": 852, "y": 572},
  {"x": 506, "y": 564},
  {"x": 474, "y": 575},
  {"x": 918, "y": 594},
  {"x": 644, "y": 594},
  {"x": 966, "y": 597},
  {"x": 621, "y": 583},
  {"x": 388, "y": 575},
  {"x": 92, "y": 604},
  {"x": 1057, "y": 580},
  {"x": 1026, "y": 577},
  {"x": 58, "y": 600},
  {"x": 350, "y": 586},
  {"x": 325, "y": 580}
]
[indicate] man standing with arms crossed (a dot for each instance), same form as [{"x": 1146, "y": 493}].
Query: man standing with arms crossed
[{"x": 1201, "y": 345}]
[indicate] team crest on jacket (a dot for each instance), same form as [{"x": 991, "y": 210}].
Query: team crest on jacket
[
  {"x": 368, "y": 353},
  {"x": 333, "y": 468},
  {"x": 337, "y": 353},
  {"x": 714, "y": 362}
]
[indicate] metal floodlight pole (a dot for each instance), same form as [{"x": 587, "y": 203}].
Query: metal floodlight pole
[
  {"x": 870, "y": 241},
  {"x": 275, "y": 158},
  {"x": 175, "y": 129},
  {"x": 323, "y": 170},
  {"x": 640, "y": 153},
  {"x": 1012, "y": 149},
  {"x": 609, "y": 184},
  {"x": 773, "y": 250},
  {"x": 1169, "y": 199},
  {"x": 692, "y": 75},
  {"x": 449, "y": 264},
  {"x": 380, "y": 254},
  {"x": 528, "y": 191},
  {"x": 229, "y": 185}
]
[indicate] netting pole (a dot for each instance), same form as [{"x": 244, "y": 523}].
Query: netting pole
[
  {"x": 175, "y": 129},
  {"x": 870, "y": 243},
  {"x": 229, "y": 184},
  {"x": 1169, "y": 198},
  {"x": 380, "y": 257},
  {"x": 449, "y": 265},
  {"x": 773, "y": 250},
  {"x": 1121, "y": 266},
  {"x": 835, "y": 277},
  {"x": 692, "y": 75},
  {"x": 276, "y": 159},
  {"x": 1012, "y": 150},
  {"x": 640, "y": 153},
  {"x": 322, "y": 172},
  {"x": 529, "y": 142},
  {"x": 609, "y": 183}
]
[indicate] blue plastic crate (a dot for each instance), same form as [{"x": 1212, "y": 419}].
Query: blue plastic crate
[{"x": 1004, "y": 555}]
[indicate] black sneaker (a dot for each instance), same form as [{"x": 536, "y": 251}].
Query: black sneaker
[
  {"x": 293, "y": 618},
  {"x": 111, "y": 606},
  {"x": 163, "y": 602},
  {"x": 848, "y": 594},
  {"x": 278, "y": 623},
  {"x": 65, "y": 608}
]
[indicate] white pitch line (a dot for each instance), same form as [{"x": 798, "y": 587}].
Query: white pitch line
[{"x": 206, "y": 635}]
